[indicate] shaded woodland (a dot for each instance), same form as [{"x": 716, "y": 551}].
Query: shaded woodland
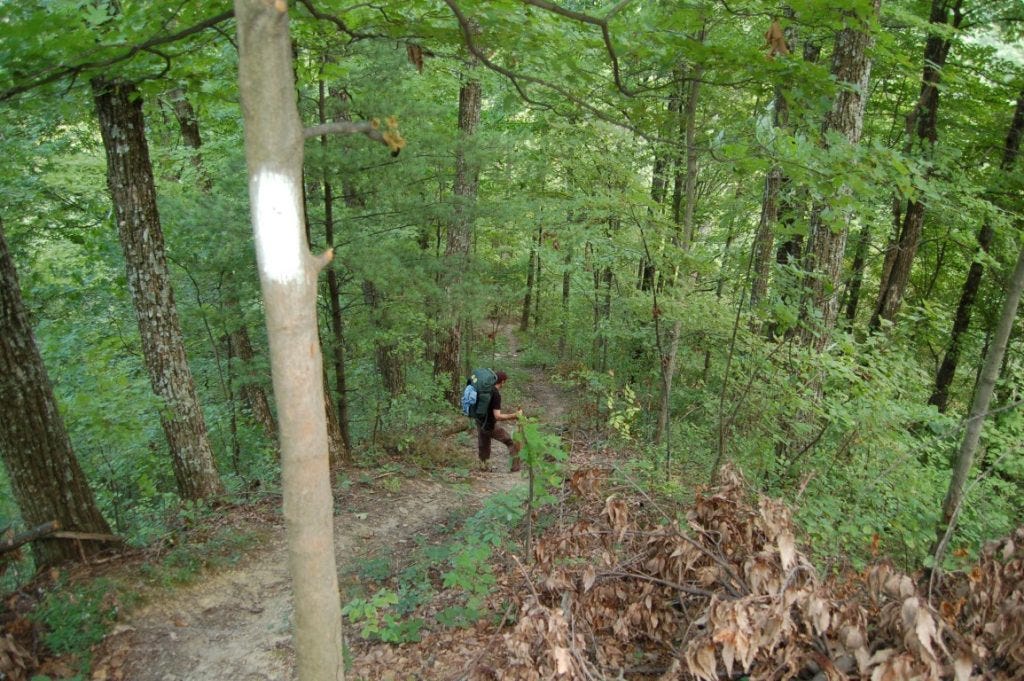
[{"x": 249, "y": 249}]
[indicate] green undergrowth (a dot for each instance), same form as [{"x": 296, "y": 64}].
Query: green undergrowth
[
  {"x": 76, "y": 614},
  {"x": 384, "y": 599}
]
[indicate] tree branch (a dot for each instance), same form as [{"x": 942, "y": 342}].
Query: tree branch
[
  {"x": 63, "y": 71},
  {"x": 29, "y": 535},
  {"x": 605, "y": 34},
  {"x": 518, "y": 79},
  {"x": 337, "y": 21},
  {"x": 368, "y": 128}
]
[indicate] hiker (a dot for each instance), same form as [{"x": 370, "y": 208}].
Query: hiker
[{"x": 488, "y": 429}]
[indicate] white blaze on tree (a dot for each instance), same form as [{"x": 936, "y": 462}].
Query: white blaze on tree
[{"x": 276, "y": 225}]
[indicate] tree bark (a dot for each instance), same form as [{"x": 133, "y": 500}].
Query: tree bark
[
  {"x": 130, "y": 179},
  {"x": 188, "y": 124},
  {"x": 288, "y": 278},
  {"x": 659, "y": 187},
  {"x": 668, "y": 358},
  {"x": 524, "y": 318},
  {"x": 47, "y": 482},
  {"x": 857, "y": 274},
  {"x": 851, "y": 68},
  {"x": 253, "y": 394},
  {"x": 764, "y": 239},
  {"x": 962, "y": 318},
  {"x": 456, "y": 255},
  {"x": 925, "y": 115},
  {"x": 338, "y": 361},
  {"x": 389, "y": 364},
  {"x": 953, "y": 502},
  {"x": 536, "y": 276},
  {"x": 566, "y": 288}
]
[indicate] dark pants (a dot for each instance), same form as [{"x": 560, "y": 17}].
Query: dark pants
[{"x": 484, "y": 437}]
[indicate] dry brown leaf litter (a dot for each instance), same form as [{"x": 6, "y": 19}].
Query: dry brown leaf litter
[{"x": 730, "y": 594}]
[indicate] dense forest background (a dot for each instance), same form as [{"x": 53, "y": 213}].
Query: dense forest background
[{"x": 780, "y": 235}]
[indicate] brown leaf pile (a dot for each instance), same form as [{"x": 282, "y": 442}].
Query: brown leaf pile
[{"x": 617, "y": 595}]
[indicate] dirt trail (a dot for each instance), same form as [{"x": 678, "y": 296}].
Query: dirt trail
[{"x": 236, "y": 624}]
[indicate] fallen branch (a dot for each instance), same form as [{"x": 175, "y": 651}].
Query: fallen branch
[
  {"x": 51, "y": 530},
  {"x": 88, "y": 536},
  {"x": 468, "y": 425},
  {"x": 37, "y": 532}
]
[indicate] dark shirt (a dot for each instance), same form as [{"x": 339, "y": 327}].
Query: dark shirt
[{"x": 490, "y": 421}]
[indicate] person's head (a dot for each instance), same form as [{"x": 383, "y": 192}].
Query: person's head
[{"x": 500, "y": 377}]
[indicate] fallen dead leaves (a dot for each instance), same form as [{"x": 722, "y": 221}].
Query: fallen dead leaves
[{"x": 730, "y": 593}]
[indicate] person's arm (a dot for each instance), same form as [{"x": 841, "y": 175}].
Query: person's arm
[{"x": 502, "y": 416}]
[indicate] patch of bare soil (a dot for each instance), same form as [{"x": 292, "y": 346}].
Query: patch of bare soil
[{"x": 236, "y": 624}]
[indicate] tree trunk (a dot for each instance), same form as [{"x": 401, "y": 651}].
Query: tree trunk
[
  {"x": 130, "y": 179},
  {"x": 334, "y": 292},
  {"x": 664, "y": 157},
  {"x": 47, "y": 482},
  {"x": 566, "y": 284},
  {"x": 979, "y": 408},
  {"x": 459, "y": 236},
  {"x": 962, "y": 319},
  {"x": 252, "y": 392},
  {"x": 524, "y": 318},
  {"x": 764, "y": 240},
  {"x": 602, "y": 311},
  {"x": 765, "y": 237},
  {"x": 925, "y": 115},
  {"x": 536, "y": 276},
  {"x": 690, "y": 186},
  {"x": 338, "y": 453},
  {"x": 188, "y": 124},
  {"x": 288, "y": 273},
  {"x": 659, "y": 186},
  {"x": 851, "y": 68},
  {"x": 790, "y": 250},
  {"x": 668, "y": 358},
  {"x": 389, "y": 364},
  {"x": 857, "y": 275}
]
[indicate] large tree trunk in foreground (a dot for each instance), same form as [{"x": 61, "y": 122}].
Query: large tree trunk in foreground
[
  {"x": 460, "y": 230},
  {"x": 851, "y": 68},
  {"x": 130, "y": 178},
  {"x": 962, "y": 319},
  {"x": 44, "y": 473},
  {"x": 288, "y": 277},
  {"x": 979, "y": 408}
]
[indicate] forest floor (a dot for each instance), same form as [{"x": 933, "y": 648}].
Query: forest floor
[
  {"x": 236, "y": 624},
  {"x": 618, "y": 582}
]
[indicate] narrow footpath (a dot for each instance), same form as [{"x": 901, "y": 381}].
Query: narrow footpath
[{"x": 236, "y": 624}]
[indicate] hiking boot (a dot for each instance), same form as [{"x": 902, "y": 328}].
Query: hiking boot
[{"x": 513, "y": 453}]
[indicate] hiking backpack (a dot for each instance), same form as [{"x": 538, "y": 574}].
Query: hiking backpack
[{"x": 476, "y": 398}]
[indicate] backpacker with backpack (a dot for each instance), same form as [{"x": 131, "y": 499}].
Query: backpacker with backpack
[{"x": 476, "y": 398}]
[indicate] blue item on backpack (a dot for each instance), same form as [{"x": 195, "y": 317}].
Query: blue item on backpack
[{"x": 468, "y": 399}]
